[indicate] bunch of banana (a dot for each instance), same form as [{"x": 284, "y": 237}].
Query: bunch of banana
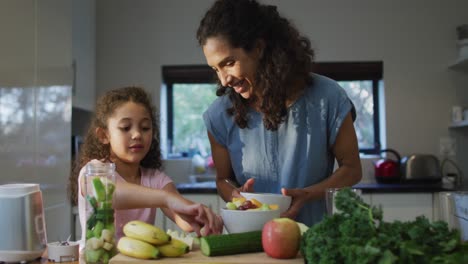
[
  {"x": 146, "y": 241},
  {"x": 146, "y": 232},
  {"x": 174, "y": 248}
]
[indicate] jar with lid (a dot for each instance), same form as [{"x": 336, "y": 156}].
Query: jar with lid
[{"x": 100, "y": 244}]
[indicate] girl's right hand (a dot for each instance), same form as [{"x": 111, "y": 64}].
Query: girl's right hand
[{"x": 197, "y": 215}]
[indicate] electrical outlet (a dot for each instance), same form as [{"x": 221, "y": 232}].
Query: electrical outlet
[{"x": 448, "y": 146}]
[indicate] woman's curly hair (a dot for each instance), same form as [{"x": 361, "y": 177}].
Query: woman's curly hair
[
  {"x": 287, "y": 57},
  {"x": 92, "y": 148}
]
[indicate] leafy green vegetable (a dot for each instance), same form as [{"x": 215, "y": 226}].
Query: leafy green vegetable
[{"x": 357, "y": 234}]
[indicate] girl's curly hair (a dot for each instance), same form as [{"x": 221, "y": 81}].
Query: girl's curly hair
[
  {"x": 92, "y": 148},
  {"x": 287, "y": 57}
]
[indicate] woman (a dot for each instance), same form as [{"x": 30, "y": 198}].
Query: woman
[{"x": 274, "y": 123}]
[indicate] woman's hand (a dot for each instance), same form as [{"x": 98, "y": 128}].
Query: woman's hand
[
  {"x": 299, "y": 198},
  {"x": 247, "y": 187}
]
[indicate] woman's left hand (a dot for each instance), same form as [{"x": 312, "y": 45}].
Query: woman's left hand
[{"x": 299, "y": 197}]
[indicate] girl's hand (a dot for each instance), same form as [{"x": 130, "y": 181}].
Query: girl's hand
[
  {"x": 299, "y": 197},
  {"x": 247, "y": 187},
  {"x": 198, "y": 216}
]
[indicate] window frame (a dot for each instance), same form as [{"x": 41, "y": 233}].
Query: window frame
[
  {"x": 338, "y": 71},
  {"x": 358, "y": 71}
]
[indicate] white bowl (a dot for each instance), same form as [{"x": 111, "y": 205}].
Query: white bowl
[
  {"x": 270, "y": 198},
  {"x": 239, "y": 221},
  {"x": 58, "y": 252}
]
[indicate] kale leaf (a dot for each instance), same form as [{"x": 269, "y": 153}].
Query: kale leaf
[{"x": 358, "y": 234}]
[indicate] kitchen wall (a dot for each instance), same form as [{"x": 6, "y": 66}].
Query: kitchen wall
[
  {"x": 35, "y": 103},
  {"x": 416, "y": 41}
]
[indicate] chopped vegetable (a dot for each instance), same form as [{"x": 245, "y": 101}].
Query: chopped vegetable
[
  {"x": 107, "y": 235},
  {"x": 110, "y": 188},
  {"x": 92, "y": 200},
  {"x": 99, "y": 189},
  {"x": 98, "y": 229},
  {"x": 107, "y": 246},
  {"x": 94, "y": 243},
  {"x": 184, "y": 237},
  {"x": 93, "y": 255}
]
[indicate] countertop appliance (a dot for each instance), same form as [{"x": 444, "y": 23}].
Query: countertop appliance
[
  {"x": 453, "y": 209},
  {"x": 421, "y": 167},
  {"x": 23, "y": 224},
  {"x": 388, "y": 170}
]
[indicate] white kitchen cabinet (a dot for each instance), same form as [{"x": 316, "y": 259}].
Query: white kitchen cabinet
[
  {"x": 462, "y": 66},
  {"x": 210, "y": 200},
  {"x": 84, "y": 53},
  {"x": 403, "y": 206}
]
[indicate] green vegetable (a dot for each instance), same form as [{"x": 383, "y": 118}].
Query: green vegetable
[
  {"x": 91, "y": 222},
  {"x": 99, "y": 189},
  {"x": 92, "y": 200},
  {"x": 98, "y": 229},
  {"x": 89, "y": 234},
  {"x": 110, "y": 226},
  {"x": 105, "y": 205},
  {"x": 217, "y": 245},
  {"x": 105, "y": 215},
  {"x": 110, "y": 187},
  {"x": 93, "y": 256},
  {"x": 357, "y": 234},
  {"x": 105, "y": 257}
]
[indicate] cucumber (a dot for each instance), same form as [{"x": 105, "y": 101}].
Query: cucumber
[
  {"x": 218, "y": 245},
  {"x": 99, "y": 189}
]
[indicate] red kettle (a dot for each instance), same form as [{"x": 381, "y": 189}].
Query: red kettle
[{"x": 388, "y": 170}]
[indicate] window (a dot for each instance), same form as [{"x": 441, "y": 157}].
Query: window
[
  {"x": 362, "y": 82},
  {"x": 189, "y": 90}
]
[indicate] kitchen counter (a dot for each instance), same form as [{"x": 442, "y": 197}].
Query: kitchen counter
[
  {"x": 197, "y": 257},
  {"x": 403, "y": 187},
  {"x": 45, "y": 261},
  {"x": 210, "y": 187},
  {"x": 194, "y": 256}
]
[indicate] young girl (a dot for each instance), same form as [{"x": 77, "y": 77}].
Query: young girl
[{"x": 125, "y": 131}]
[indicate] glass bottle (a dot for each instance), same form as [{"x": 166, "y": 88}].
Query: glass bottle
[{"x": 100, "y": 244}]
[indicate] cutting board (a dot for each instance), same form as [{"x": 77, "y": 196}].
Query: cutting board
[{"x": 198, "y": 257}]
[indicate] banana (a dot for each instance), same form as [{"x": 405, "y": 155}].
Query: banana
[
  {"x": 146, "y": 232},
  {"x": 138, "y": 249},
  {"x": 175, "y": 248}
]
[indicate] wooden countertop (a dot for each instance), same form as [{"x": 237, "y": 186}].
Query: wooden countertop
[
  {"x": 193, "y": 257},
  {"x": 197, "y": 257}
]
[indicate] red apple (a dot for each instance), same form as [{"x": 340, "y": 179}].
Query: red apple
[{"x": 281, "y": 238}]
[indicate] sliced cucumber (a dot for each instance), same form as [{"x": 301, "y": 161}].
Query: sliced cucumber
[{"x": 99, "y": 189}]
